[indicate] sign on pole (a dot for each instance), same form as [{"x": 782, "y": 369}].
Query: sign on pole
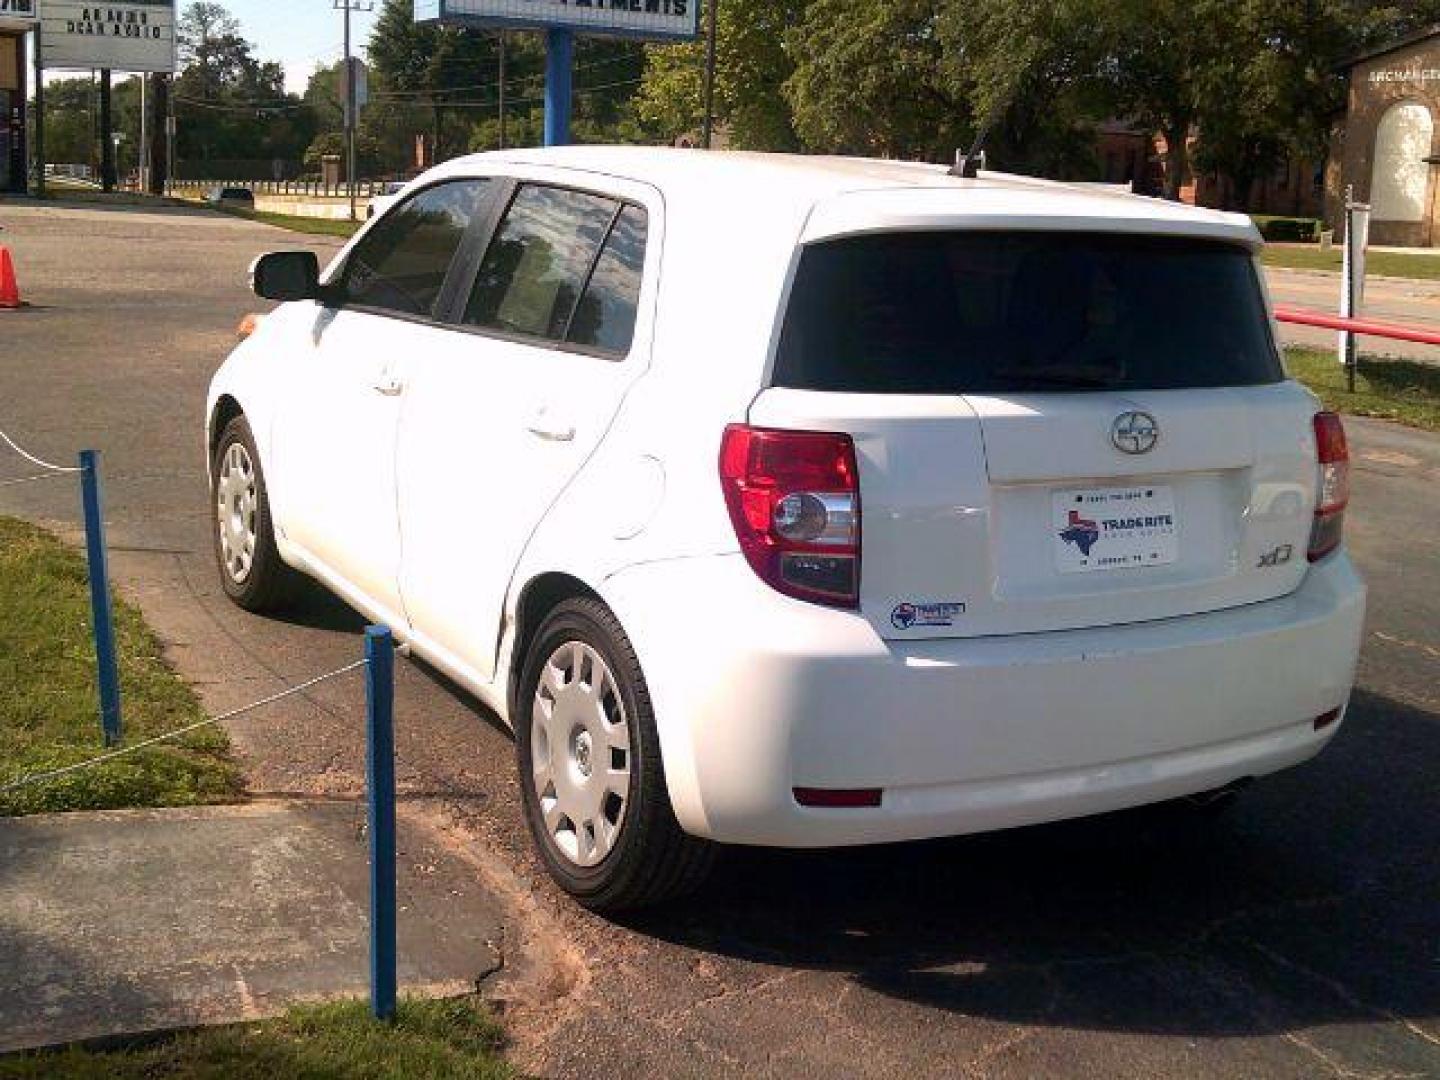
[
  {"x": 355, "y": 69},
  {"x": 661, "y": 19},
  {"x": 1352, "y": 279},
  {"x": 128, "y": 35}
]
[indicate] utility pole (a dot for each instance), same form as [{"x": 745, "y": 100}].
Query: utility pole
[
  {"x": 711, "y": 33},
  {"x": 160, "y": 138},
  {"x": 144, "y": 164},
  {"x": 39, "y": 146},
  {"x": 107, "y": 141},
  {"x": 351, "y": 103},
  {"x": 172, "y": 127}
]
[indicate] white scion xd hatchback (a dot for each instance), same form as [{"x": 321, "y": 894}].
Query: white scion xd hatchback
[{"x": 804, "y": 502}]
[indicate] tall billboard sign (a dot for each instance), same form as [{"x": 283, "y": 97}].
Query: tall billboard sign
[
  {"x": 668, "y": 20},
  {"x": 126, "y": 35},
  {"x": 656, "y": 20}
]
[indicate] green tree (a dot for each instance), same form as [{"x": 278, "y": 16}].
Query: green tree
[
  {"x": 430, "y": 66},
  {"x": 71, "y": 113},
  {"x": 752, "y": 66},
  {"x": 369, "y": 155},
  {"x": 231, "y": 105}
]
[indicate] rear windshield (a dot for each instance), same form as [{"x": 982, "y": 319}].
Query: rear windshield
[{"x": 950, "y": 313}]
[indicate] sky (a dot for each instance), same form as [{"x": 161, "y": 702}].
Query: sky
[{"x": 301, "y": 34}]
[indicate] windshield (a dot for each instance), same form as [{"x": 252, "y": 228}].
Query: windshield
[{"x": 974, "y": 312}]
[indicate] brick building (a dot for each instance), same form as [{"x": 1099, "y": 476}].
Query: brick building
[
  {"x": 1130, "y": 155},
  {"x": 1387, "y": 147}
]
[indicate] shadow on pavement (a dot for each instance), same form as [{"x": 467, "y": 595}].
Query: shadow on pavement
[
  {"x": 316, "y": 609},
  {"x": 1314, "y": 901}
]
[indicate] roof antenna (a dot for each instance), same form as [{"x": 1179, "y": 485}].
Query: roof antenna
[{"x": 968, "y": 166}]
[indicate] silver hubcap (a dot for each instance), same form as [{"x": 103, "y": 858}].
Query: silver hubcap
[
  {"x": 236, "y": 501},
  {"x": 580, "y": 754}
]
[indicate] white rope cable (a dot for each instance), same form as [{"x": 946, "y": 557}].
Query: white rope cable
[
  {"x": 33, "y": 459},
  {"x": 38, "y": 778}
]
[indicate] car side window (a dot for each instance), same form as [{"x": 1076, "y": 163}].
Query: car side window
[
  {"x": 605, "y": 317},
  {"x": 535, "y": 270},
  {"x": 402, "y": 263}
]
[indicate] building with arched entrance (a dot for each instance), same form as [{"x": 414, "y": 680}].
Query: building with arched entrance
[{"x": 1388, "y": 146}]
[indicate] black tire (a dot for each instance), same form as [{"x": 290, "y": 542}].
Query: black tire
[
  {"x": 652, "y": 859},
  {"x": 268, "y": 584}
]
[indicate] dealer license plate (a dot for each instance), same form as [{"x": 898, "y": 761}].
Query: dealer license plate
[{"x": 1115, "y": 529}]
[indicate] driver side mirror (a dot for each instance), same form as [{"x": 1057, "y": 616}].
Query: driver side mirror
[{"x": 286, "y": 276}]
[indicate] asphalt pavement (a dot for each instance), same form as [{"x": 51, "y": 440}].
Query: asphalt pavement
[{"x": 1297, "y": 937}]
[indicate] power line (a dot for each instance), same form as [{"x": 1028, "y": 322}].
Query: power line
[
  {"x": 538, "y": 76},
  {"x": 536, "y": 98}
]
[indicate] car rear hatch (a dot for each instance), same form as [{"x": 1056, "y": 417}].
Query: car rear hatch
[{"x": 1054, "y": 428}]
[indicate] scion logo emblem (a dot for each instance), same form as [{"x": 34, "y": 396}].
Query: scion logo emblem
[{"x": 1135, "y": 432}]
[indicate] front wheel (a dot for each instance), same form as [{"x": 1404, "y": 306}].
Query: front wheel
[
  {"x": 594, "y": 786},
  {"x": 251, "y": 570}
]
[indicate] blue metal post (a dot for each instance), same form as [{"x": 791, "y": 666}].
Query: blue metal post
[
  {"x": 102, "y": 617},
  {"x": 380, "y": 775},
  {"x": 559, "y": 62}
]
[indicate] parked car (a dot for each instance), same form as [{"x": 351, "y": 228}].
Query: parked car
[
  {"x": 802, "y": 502},
  {"x": 237, "y": 197},
  {"x": 387, "y": 197}
]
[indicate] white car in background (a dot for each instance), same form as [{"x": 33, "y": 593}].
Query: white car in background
[
  {"x": 388, "y": 196},
  {"x": 804, "y": 502}
]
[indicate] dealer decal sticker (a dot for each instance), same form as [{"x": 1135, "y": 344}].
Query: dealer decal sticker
[{"x": 923, "y": 616}]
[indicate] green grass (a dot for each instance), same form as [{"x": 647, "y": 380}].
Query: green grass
[
  {"x": 49, "y": 716},
  {"x": 1402, "y": 390},
  {"x": 1384, "y": 263},
  {"x": 295, "y": 223},
  {"x": 438, "y": 1040}
]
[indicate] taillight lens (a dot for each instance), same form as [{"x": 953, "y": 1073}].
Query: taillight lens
[
  {"x": 1334, "y": 485},
  {"x": 794, "y": 499}
]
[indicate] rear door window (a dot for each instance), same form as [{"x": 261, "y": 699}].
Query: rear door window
[
  {"x": 605, "y": 317},
  {"x": 403, "y": 261},
  {"x": 975, "y": 312},
  {"x": 538, "y": 264}
]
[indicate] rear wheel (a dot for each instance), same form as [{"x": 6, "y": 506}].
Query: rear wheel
[
  {"x": 251, "y": 570},
  {"x": 594, "y": 786}
]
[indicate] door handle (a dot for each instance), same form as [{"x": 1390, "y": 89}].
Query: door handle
[
  {"x": 550, "y": 428},
  {"x": 390, "y": 386}
]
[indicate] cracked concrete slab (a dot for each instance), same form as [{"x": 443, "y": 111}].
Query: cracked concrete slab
[{"x": 123, "y": 923}]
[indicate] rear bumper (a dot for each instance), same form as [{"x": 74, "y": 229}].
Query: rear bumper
[{"x": 757, "y": 695}]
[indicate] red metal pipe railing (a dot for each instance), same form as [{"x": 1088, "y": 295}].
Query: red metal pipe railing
[{"x": 1367, "y": 327}]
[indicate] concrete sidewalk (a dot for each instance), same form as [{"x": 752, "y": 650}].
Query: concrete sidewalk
[{"x": 131, "y": 922}]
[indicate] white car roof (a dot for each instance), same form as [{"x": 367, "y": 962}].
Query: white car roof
[{"x": 837, "y": 196}]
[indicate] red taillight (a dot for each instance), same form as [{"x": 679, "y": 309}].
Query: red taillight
[
  {"x": 1334, "y": 485},
  {"x": 794, "y": 499}
]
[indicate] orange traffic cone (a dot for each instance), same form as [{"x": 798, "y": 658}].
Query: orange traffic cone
[{"x": 9, "y": 287}]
